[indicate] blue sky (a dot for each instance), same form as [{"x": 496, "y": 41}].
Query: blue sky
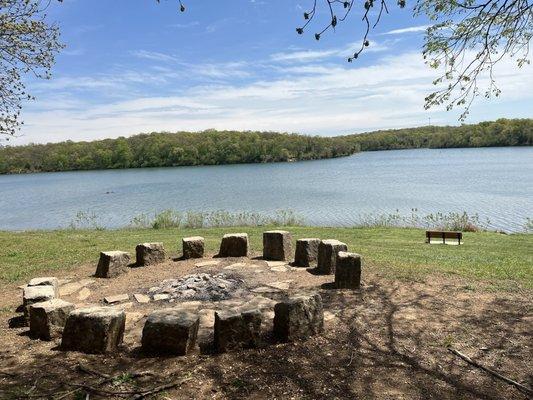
[{"x": 138, "y": 66}]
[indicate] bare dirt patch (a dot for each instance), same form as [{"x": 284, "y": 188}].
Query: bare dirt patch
[{"x": 386, "y": 341}]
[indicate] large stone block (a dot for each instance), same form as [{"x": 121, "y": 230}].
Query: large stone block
[
  {"x": 234, "y": 245},
  {"x": 36, "y": 294},
  {"x": 327, "y": 255},
  {"x": 306, "y": 252},
  {"x": 348, "y": 271},
  {"x": 277, "y": 245},
  {"x": 193, "y": 247},
  {"x": 112, "y": 264},
  {"x": 150, "y": 253},
  {"x": 46, "y": 281},
  {"x": 48, "y": 318},
  {"x": 94, "y": 330},
  {"x": 234, "y": 329},
  {"x": 170, "y": 331},
  {"x": 298, "y": 318}
]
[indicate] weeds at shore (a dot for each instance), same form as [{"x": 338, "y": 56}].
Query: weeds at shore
[
  {"x": 215, "y": 219},
  {"x": 452, "y": 221}
]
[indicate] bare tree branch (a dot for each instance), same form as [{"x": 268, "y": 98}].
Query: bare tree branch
[{"x": 468, "y": 38}]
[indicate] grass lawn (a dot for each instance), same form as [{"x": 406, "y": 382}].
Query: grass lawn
[{"x": 504, "y": 261}]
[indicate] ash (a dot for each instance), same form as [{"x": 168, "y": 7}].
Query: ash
[{"x": 198, "y": 287}]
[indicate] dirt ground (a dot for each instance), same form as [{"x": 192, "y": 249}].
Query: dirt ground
[{"x": 387, "y": 341}]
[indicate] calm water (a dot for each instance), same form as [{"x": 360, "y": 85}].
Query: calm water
[{"x": 496, "y": 183}]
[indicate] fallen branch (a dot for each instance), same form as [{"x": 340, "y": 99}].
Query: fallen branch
[
  {"x": 91, "y": 371},
  {"x": 158, "y": 389},
  {"x": 66, "y": 394},
  {"x": 519, "y": 386}
]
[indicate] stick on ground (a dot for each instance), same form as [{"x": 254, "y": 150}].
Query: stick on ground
[{"x": 519, "y": 386}]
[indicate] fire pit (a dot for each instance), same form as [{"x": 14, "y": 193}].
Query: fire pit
[{"x": 198, "y": 287}]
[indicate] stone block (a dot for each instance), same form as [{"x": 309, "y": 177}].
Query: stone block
[
  {"x": 306, "y": 252},
  {"x": 150, "y": 253},
  {"x": 277, "y": 245},
  {"x": 170, "y": 331},
  {"x": 234, "y": 330},
  {"x": 94, "y": 330},
  {"x": 348, "y": 271},
  {"x": 46, "y": 281},
  {"x": 118, "y": 298},
  {"x": 48, "y": 318},
  {"x": 36, "y": 294},
  {"x": 298, "y": 318},
  {"x": 327, "y": 255},
  {"x": 112, "y": 264},
  {"x": 193, "y": 247},
  {"x": 161, "y": 297},
  {"x": 234, "y": 245},
  {"x": 141, "y": 298}
]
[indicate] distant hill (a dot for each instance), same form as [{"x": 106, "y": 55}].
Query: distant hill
[{"x": 230, "y": 147}]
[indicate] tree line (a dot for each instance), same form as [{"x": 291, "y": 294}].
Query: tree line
[{"x": 230, "y": 147}]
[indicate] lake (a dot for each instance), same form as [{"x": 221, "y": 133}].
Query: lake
[{"x": 496, "y": 183}]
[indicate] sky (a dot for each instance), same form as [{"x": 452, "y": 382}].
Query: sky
[{"x": 137, "y": 66}]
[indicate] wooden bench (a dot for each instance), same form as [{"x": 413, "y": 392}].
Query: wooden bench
[{"x": 443, "y": 235}]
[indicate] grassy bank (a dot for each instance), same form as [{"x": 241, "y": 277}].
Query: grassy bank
[{"x": 505, "y": 261}]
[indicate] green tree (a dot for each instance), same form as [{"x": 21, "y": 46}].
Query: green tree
[{"x": 28, "y": 44}]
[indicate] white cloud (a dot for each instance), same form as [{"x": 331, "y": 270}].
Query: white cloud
[
  {"x": 153, "y": 55},
  {"x": 314, "y": 98},
  {"x": 411, "y": 29},
  {"x": 314, "y": 55},
  {"x": 184, "y": 26}
]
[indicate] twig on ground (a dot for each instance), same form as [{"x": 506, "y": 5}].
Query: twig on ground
[
  {"x": 351, "y": 358},
  {"x": 91, "y": 371},
  {"x": 103, "y": 392},
  {"x": 135, "y": 374},
  {"x": 519, "y": 386},
  {"x": 67, "y": 393},
  {"x": 158, "y": 389}
]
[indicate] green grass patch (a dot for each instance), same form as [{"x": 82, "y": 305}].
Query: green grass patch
[{"x": 505, "y": 261}]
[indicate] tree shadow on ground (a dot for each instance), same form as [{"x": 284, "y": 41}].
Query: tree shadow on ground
[{"x": 386, "y": 341}]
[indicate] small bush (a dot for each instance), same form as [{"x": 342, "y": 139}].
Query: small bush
[{"x": 167, "y": 219}]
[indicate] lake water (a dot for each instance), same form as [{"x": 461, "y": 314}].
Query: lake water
[{"x": 496, "y": 183}]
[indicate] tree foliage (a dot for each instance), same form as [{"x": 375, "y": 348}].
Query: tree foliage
[
  {"x": 467, "y": 39},
  {"x": 213, "y": 147},
  {"x": 28, "y": 44}
]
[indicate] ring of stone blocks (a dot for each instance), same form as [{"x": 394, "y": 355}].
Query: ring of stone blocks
[
  {"x": 94, "y": 330},
  {"x": 348, "y": 270},
  {"x": 193, "y": 247},
  {"x": 234, "y": 245},
  {"x": 170, "y": 331},
  {"x": 306, "y": 252},
  {"x": 150, "y": 253},
  {"x": 327, "y": 255},
  {"x": 277, "y": 245},
  {"x": 112, "y": 264}
]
